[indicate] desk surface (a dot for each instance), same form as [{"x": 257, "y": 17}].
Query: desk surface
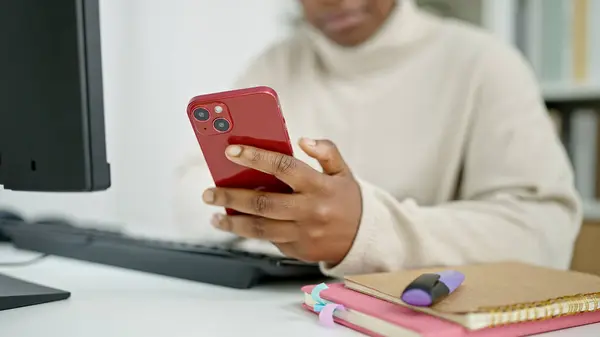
[{"x": 108, "y": 301}]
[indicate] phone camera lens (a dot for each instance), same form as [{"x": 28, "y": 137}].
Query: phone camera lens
[
  {"x": 221, "y": 124},
  {"x": 201, "y": 114}
]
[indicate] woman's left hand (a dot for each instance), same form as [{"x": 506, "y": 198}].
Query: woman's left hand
[{"x": 316, "y": 223}]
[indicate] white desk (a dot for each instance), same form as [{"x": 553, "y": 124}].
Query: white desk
[{"x": 108, "y": 301}]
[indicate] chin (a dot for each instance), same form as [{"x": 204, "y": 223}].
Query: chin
[
  {"x": 351, "y": 36},
  {"x": 349, "y": 39}
]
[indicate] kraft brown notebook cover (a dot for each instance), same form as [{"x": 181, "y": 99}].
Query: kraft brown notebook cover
[{"x": 495, "y": 294}]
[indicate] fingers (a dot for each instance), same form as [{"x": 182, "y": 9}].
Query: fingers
[
  {"x": 295, "y": 173},
  {"x": 253, "y": 227},
  {"x": 270, "y": 205},
  {"x": 327, "y": 154}
]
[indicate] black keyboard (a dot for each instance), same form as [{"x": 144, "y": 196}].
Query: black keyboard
[{"x": 214, "y": 265}]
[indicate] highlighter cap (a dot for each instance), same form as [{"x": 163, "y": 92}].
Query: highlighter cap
[{"x": 429, "y": 289}]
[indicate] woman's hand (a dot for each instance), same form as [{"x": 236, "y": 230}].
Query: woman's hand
[{"x": 318, "y": 222}]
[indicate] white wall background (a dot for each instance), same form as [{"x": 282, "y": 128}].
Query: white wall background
[{"x": 157, "y": 55}]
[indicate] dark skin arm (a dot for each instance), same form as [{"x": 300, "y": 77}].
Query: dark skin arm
[{"x": 316, "y": 223}]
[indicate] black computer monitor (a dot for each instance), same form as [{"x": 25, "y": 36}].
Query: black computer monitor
[{"x": 52, "y": 135}]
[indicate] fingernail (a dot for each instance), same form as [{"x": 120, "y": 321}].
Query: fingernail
[
  {"x": 309, "y": 141},
  {"x": 208, "y": 196},
  {"x": 216, "y": 220},
  {"x": 234, "y": 151}
]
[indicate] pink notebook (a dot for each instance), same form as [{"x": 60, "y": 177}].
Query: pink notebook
[{"x": 375, "y": 317}]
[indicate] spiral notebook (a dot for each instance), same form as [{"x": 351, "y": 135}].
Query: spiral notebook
[
  {"x": 375, "y": 317},
  {"x": 495, "y": 294}
]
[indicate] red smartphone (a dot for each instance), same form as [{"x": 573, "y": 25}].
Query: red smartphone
[{"x": 249, "y": 116}]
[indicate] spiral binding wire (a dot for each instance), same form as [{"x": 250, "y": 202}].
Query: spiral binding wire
[{"x": 519, "y": 313}]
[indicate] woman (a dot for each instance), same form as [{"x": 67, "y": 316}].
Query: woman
[{"x": 440, "y": 149}]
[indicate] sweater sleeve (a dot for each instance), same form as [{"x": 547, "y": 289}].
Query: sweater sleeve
[{"x": 517, "y": 199}]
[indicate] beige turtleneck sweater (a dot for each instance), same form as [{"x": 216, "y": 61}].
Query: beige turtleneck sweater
[{"x": 446, "y": 129}]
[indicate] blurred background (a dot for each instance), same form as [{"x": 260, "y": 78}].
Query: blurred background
[{"x": 158, "y": 54}]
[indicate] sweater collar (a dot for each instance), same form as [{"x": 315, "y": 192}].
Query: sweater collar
[{"x": 405, "y": 25}]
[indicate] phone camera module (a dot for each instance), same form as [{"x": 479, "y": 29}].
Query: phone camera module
[
  {"x": 221, "y": 124},
  {"x": 201, "y": 114}
]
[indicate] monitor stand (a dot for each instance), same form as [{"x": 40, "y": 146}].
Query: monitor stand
[{"x": 16, "y": 293}]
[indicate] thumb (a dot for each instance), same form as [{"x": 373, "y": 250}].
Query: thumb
[{"x": 327, "y": 154}]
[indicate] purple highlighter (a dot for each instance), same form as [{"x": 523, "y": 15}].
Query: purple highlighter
[{"x": 429, "y": 289}]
